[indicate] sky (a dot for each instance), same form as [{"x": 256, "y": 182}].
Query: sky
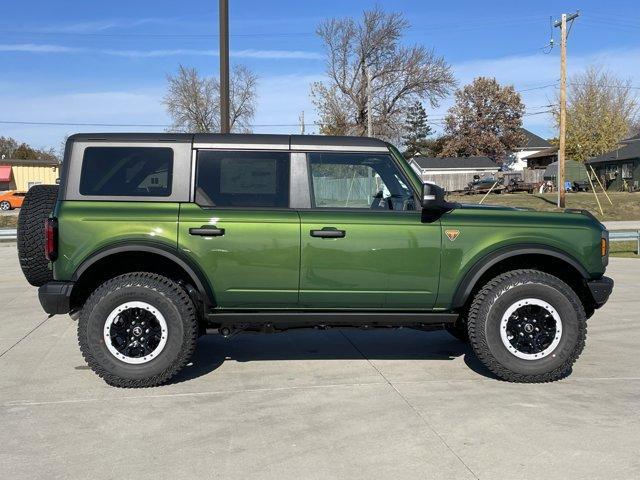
[{"x": 74, "y": 62}]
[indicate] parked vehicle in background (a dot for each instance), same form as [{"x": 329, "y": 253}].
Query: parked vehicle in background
[
  {"x": 519, "y": 185},
  {"x": 153, "y": 239},
  {"x": 483, "y": 185},
  {"x": 11, "y": 199},
  {"x": 580, "y": 186}
]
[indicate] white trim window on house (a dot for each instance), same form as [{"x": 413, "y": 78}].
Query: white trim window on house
[{"x": 517, "y": 159}]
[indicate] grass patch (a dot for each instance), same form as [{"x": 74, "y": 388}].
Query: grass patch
[
  {"x": 624, "y": 249},
  {"x": 8, "y": 221},
  {"x": 626, "y": 206}
]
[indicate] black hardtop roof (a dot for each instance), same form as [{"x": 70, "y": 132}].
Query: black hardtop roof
[{"x": 233, "y": 138}]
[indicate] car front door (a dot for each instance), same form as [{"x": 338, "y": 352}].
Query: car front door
[
  {"x": 240, "y": 230},
  {"x": 363, "y": 242}
]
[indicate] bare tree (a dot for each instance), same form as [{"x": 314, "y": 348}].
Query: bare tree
[
  {"x": 486, "y": 119},
  {"x": 399, "y": 75},
  {"x": 602, "y": 109},
  {"x": 193, "y": 102}
]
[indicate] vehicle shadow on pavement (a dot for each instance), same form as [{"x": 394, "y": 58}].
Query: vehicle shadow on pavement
[{"x": 334, "y": 344}]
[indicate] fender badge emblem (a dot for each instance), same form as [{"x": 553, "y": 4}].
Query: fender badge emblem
[{"x": 452, "y": 234}]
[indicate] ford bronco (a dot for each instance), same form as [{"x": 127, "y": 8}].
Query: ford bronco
[{"x": 151, "y": 240}]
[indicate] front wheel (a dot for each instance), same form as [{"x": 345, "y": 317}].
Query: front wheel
[
  {"x": 527, "y": 326},
  {"x": 138, "y": 330}
]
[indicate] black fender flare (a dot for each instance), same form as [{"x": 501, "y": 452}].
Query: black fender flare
[
  {"x": 481, "y": 266},
  {"x": 171, "y": 253}
]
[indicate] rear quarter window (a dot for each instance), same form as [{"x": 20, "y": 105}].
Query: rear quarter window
[
  {"x": 242, "y": 179},
  {"x": 127, "y": 171}
]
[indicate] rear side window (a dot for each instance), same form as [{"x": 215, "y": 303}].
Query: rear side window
[
  {"x": 127, "y": 171},
  {"x": 242, "y": 179}
]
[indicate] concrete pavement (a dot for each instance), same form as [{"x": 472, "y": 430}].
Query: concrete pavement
[
  {"x": 329, "y": 404},
  {"x": 623, "y": 225}
]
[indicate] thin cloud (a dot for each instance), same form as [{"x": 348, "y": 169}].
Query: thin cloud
[
  {"x": 37, "y": 48},
  {"x": 275, "y": 54},
  {"x": 103, "y": 25},
  {"x": 249, "y": 53}
]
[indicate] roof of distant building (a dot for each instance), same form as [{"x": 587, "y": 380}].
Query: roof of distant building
[
  {"x": 625, "y": 152},
  {"x": 438, "y": 163},
  {"x": 533, "y": 140}
]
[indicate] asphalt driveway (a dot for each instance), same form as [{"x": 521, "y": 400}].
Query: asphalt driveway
[{"x": 317, "y": 404}]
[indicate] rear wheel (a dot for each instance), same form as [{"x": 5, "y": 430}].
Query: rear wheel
[
  {"x": 37, "y": 206},
  {"x": 4, "y": 205},
  {"x": 138, "y": 330},
  {"x": 527, "y": 326}
]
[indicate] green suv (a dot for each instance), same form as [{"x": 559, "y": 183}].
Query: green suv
[{"x": 152, "y": 240}]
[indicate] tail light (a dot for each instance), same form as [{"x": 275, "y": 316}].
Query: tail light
[{"x": 51, "y": 239}]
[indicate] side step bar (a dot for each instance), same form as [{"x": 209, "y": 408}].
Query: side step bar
[{"x": 298, "y": 319}]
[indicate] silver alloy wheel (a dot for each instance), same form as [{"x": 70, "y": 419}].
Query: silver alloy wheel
[
  {"x": 531, "y": 329},
  {"x": 135, "y": 332},
  {"x": 4, "y": 205}
]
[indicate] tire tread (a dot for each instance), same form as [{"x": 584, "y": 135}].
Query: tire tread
[
  {"x": 174, "y": 293},
  {"x": 490, "y": 292},
  {"x": 37, "y": 206}
]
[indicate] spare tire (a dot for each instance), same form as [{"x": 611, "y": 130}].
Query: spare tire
[{"x": 36, "y": 208}]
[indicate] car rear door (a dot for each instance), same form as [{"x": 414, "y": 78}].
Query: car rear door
[
  {"x": 363, "y": 242},
  {"x": 240, "y": 230}
]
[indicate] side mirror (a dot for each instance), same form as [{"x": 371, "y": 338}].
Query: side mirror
[{"x": 433, "y": 197}]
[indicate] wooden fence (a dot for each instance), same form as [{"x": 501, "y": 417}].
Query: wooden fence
[
  {"x": 458, "y": 181},
  {"x": 450, "y": 181}
]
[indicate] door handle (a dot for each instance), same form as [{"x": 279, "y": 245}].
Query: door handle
[
  {"x": 328, "y": 233},
  {"x": 207, "y": 231}
]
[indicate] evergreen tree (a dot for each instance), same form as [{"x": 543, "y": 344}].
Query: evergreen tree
[{"x": 416, "y": 130}]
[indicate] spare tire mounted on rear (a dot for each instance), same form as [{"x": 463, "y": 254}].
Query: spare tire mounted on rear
[{"x": 36, "y": 208}]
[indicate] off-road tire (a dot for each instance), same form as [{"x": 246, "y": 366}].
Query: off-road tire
[
  {"x": 162, "y": 293},
  {"x": 37, "y": 206},
  {"x": 488, "y": 307}
]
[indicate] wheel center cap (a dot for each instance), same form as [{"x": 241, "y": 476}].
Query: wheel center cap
[
  {"x": 527, "y": 328},
  {"x": 137, "y": 331}
]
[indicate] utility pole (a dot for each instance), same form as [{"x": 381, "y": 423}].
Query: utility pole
[
  {"x": 562, "y": 23},
  {"x": 369, "y": 109},
  {"x": 225, "y": 126},
  {"x": 301, "y": 119}
]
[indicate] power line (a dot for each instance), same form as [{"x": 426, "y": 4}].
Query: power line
[
  {"x": 460, "y": 25},
  {"x": 539, "y": 87},
  {"x": 624, "y": 87},
  {"x": 154, "y": 35},
  {"x": 142, "y": 125}
]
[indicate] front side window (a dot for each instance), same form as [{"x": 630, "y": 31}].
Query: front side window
[
  {"x": 127, "y": 171},
  {"x": 242, "y": 179},
  {"x": 370, "y": 181}
]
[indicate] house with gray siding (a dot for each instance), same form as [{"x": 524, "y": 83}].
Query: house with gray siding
[{"x": 619, "y": 169}]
